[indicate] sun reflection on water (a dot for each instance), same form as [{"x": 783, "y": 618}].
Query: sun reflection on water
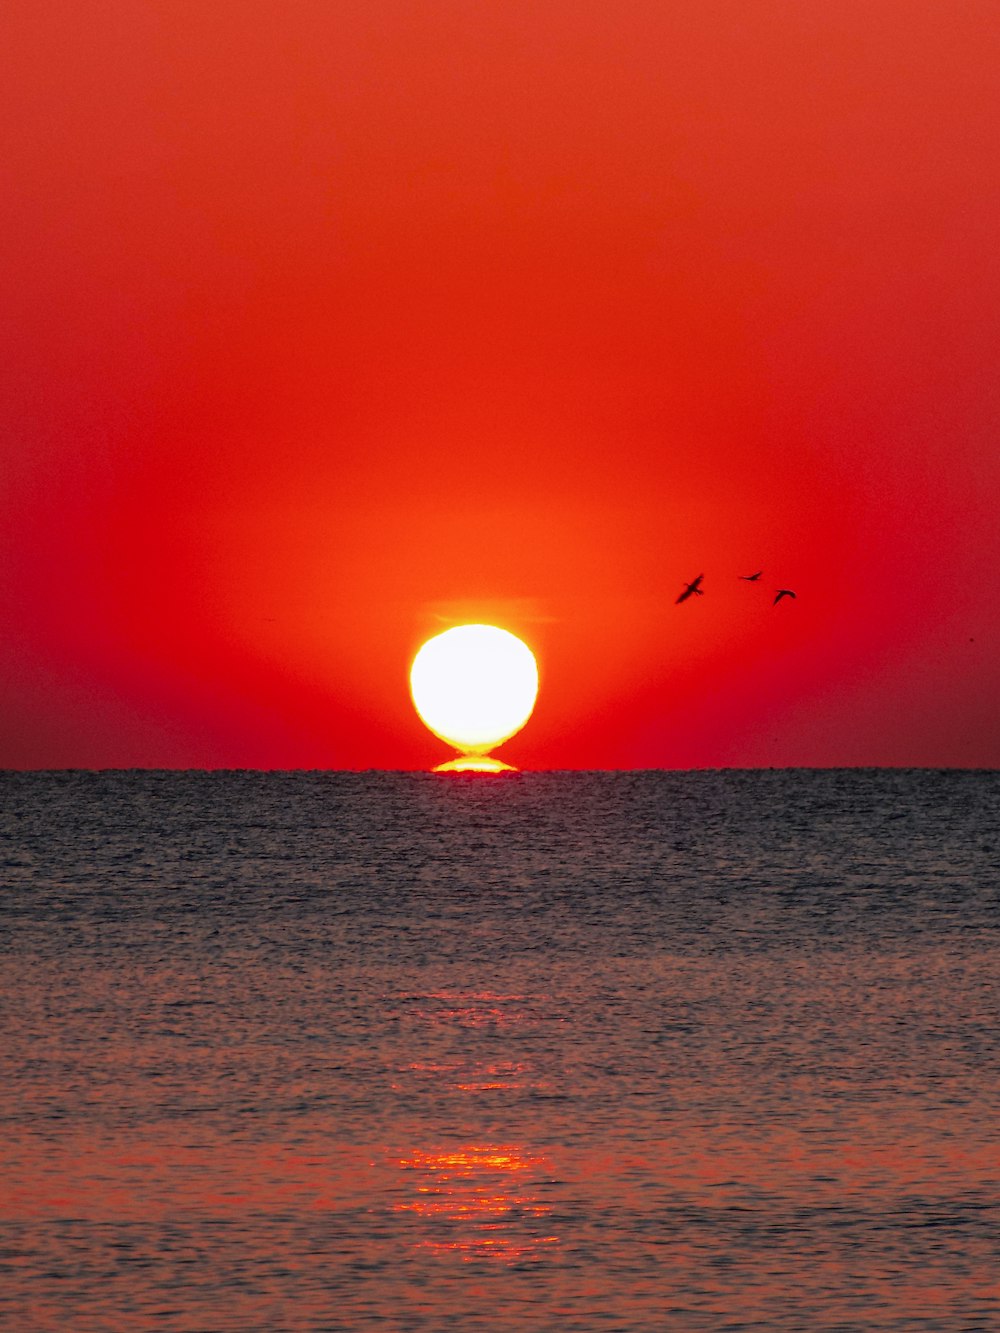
[
  {"x": 448, "y": 1008},
  {"x": 480, "y": 1201},
  {"x": 474, "y": 763},
  {"x": 476, "y": 1076},
  {"x": 481, "y": 1198}
]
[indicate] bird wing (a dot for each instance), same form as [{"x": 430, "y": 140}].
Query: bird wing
[{"x": 692, "y": 587}]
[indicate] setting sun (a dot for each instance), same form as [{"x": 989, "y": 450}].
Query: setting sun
[{"x": 474, "y": 686}]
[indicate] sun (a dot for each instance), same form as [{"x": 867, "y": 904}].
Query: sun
[{"x": 474, "y": 686}]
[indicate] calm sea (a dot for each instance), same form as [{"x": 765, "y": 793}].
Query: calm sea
[{"x": 607, "y": 1051}]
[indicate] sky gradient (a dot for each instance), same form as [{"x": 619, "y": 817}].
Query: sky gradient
[{"x": 331, "y": 323}]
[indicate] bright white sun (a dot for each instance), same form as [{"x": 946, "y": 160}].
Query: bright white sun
[{"x": 474, "y": 686}]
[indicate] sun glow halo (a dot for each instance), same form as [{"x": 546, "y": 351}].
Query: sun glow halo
[{"x": 474, "y": 686}]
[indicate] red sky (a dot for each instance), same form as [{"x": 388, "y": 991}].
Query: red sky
[{"x": 330, "y": 323}]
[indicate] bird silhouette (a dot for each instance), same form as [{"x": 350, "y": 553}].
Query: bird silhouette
[
  {"x": 782, "y": 592},
  {"x": 692, "y": 589},
  {"x": 751, "y": 578}
]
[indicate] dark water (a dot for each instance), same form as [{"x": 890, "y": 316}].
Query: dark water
[{"x": 581, "y": 1052}]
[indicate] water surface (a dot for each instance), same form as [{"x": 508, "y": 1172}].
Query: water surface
[{"x": 702, "y": 1051}]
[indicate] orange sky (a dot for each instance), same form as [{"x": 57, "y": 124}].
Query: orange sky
[{"x": 329, "y": 323}]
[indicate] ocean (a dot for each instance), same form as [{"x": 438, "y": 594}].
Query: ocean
[{"x": 542, "y": 1051}]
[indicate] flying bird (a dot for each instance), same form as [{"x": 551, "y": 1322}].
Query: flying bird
[
  {"x": 751, "y": 578},
  {"x": 782, "y": 592},
  {"x": 692, "y": 589}
]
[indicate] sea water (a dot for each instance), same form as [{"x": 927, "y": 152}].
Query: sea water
[{"x": 590, "y": 1051}]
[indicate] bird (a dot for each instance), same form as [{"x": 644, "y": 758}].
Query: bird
[
  {"x": 692, "y": 588},
  {"x": 751, "y": 578},
  {"x": 782, "y": 592}
]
